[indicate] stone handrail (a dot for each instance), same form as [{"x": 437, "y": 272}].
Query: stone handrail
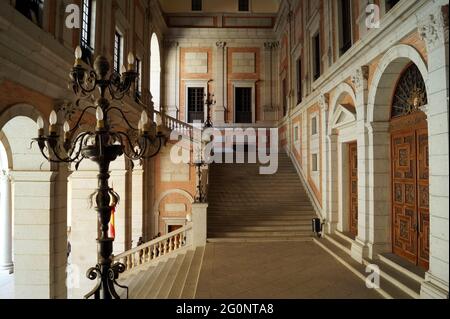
[
  {"x": 155, "y": 249},
  {"x": 176, "y": 125}
]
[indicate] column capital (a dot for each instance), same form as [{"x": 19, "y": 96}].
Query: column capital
[
  {"x": 433, "y": 28},
  {"x": 271, "y": 45},
  {"x": 324, "y": 101},
  {"x": 221, "y": 44},
  {"x": 4, "y": 175},
  {"x": 360, "y": 77}
]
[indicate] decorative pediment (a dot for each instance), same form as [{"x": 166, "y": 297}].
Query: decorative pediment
[{"x": 343, "y": 115}]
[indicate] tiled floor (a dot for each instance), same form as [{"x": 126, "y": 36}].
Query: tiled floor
[
  {"x": 278, "y": 270},
  {"x": 6, "y": 286}
]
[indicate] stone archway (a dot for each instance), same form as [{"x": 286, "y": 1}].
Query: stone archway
[
  {"x": 381, "y": 90},
  {"x": 38, "y": 207},
  {"x": 162, "y": 196},
  {"x": 155, "y": 71}
]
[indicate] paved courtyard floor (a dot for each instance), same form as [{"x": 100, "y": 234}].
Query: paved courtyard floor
[{"x": 276, "y": 270}]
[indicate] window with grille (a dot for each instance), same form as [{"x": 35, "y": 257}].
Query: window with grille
[
  {"x": 196, "y": 103},
  {"x": 139, "y": 78},
  {"x": 243, "y": 103},
  {"x": 244, "y": 5},
  {"x": 33, "y": 10},
  {"x": 317, "y": 56},
  {"x": 299, "y": 81},
  {"x": 314, "y": 162},
  {"x": 314, "y": 126},
  {"x": 345, "y": 30},
  {"x": 196, "y": 5},
  {"x": 389, "y": 4},
  {"x": 118, "y": 49},
  {"x": 88, "y": 29}
]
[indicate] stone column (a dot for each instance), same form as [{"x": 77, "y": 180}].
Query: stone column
[
  {"x": 137, "y": 202},
  {"x": 6, "y": 263},
  {"x": 220, "y": 91},
  {"x": 269, "y": 94},
  {"x": 84, "y": 230},
  {"x": 434, "y": 31},
  {"x": 331, "y": 184},
  {"x": 324, "y": 157},
  {"x": 199, "y": 224},
  {"x": 40, "y": 234},
  {"x": 359, "y": 248},
  {"x": 171, "y": 91}
]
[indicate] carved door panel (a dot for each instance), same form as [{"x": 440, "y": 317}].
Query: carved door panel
[
  {"x": 423, "y": 198},
  {"x": 404, "y": 201},
  {"x": 353, "y": 191}
]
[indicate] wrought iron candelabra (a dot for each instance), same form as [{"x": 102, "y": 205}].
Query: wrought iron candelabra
[
  {"x": 102, "y": 144},
  {"x": 209, "y": 101}
]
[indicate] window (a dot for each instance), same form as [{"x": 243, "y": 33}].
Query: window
[
  {"x": 317, "y": 56},
  {"x": 314, "y": 126},
  {"x": 314, "y": 163},
  {"x": 285, "y": 97},
  {"x": 244, "y": 5},
  {"x": 345, "y": 27},
  {"x": 88, "y": 29},
  {"x": 296, "y": 131},
  {"x": 243, "y": 102},
  {"x": 196, "y": 103},
  {"x": 299, "y": 81},
  {"x": 32, "y": 10},
  {"x": 196, "y": 5},
  {"x": 390, "y": 4},
  {"x": 139, "y": 78},
  {"x": 118, "y": 51}
]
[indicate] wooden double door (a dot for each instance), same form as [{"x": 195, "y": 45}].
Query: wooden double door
[
  {"x": 353, "y": 188},
  {"x": 410, "y": 190}
]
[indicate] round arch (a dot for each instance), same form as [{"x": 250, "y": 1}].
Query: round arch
[
  {"x": 155, "y": 71},
  {"x": 163, "y": 195},
  {"x": 383, "y": 84},
  {"x": 387, "y": 74}
]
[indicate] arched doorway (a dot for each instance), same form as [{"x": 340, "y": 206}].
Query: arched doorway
[
  {"x": 155, "y": 72},
  {"x": 409, "y": 169}
]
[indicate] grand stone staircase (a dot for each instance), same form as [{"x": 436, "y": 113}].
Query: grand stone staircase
[
  {"x": 247, "y": 206},
  {"x": 174, "y": 276}
]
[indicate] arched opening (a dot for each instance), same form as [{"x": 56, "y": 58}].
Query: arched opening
[
  {"x": 380, "y": 162},
  {"x": 155, "y": 72},
  {"x": 28, "y": 210},
  {"x": 410, "y": 169}
]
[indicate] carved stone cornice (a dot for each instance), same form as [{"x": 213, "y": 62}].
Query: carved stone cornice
[
  {"x": 271, "y": 45},
  {"x": 221, "y": 44},
  {"x": 359, "y": 79},
  {"x": 324, "y": 101},
  {"x": 433, "y": 29}
]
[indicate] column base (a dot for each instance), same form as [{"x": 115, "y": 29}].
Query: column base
[
  {"x": 9, "y": 268},
  {"x": 218, "y": 115},
  {"x": 359, "y": 250},
  {"x": 172, "y": 111},
  {"x": 330, "y": 227},
  {"x": 433, "y": 288}
]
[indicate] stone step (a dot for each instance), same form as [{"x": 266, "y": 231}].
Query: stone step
[
  {"x": 339, "y": 243},
  {"x": 164, "y": 291},
  {"x": 258, "y": 239},
  {"x": 160, "y": 280},
  {"x": 180, "y": 280},
  {"x": 225, "y": 233},
  {"x": 271, "y": 228},
  {"x": 262, "y": 223},
  {"x": 190, "y": 285},
  {"x": 386, "y": 290},
  {"x": 147, "y": 283}
]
